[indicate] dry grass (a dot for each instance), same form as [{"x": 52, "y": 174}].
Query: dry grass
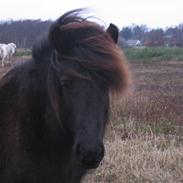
[
  {"x": 140, "y": 160},
  {"x": 144, "y": 143},
  {"x": 153, "y": 109},
  {"x": 152, "y": 114}
]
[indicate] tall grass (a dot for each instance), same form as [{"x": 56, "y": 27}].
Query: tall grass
[{"x": 140, "y": 160}]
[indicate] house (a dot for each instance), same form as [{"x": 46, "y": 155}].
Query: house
[{"x": 133, "y": 43}]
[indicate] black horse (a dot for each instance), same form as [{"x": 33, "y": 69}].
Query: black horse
[{"x": 54, "y": 107}]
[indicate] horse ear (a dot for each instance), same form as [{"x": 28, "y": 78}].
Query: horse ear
[{"x": 113, "y": 31}]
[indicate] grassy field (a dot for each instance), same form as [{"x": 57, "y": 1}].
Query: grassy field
[
  {"x": 23, "y": 52},
  {"x": 154, "y": 54},
  {"x": 138, "y": 54},
  {"x": 144, "y": 139}
]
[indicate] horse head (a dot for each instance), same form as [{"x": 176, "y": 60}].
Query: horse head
[{"x": 87, "y": 66}]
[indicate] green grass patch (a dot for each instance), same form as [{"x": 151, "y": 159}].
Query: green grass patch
[
  {"x": 138, "y": 54},
  {"x": 23, "y": 52},
  {"x": 154, "y": 54}
]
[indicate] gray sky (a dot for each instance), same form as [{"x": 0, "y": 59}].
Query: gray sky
[{"x": 153, "y": 13}]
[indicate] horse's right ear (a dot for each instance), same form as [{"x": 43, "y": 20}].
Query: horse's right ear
[{"x": 113, "y": 31}]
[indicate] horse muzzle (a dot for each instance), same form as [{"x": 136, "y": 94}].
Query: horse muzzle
[{"x": 89, "y": 158}]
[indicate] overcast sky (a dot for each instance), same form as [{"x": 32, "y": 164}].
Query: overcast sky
[{"x": 153, "y": 13}]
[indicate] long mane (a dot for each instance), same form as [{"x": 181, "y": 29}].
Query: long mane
[{"x": 78, "y": 40}]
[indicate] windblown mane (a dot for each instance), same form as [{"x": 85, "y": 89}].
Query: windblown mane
[{"x": 77, "y": 40}]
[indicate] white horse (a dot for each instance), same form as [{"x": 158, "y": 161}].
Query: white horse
[
  {"x": 6, "y": 52},
  {"x": 3, "y": 53}
]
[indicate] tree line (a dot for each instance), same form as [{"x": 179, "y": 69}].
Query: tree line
[
  {"x": 170, "y": 36},
  {"x": 26, "y": 32}
]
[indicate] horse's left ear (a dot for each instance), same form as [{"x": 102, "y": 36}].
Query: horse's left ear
[{"x": 113, "y": 32}]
